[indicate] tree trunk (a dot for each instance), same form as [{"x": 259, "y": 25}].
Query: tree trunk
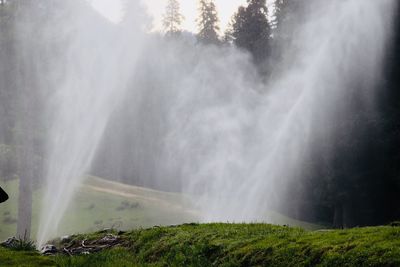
[
  {"x": 24, "y": 205},
  {"x": 25, "y": 172}
]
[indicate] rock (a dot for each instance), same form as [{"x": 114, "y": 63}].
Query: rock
[
  {"x": 49, "y": 250},
  {"x": 10, "y": 242}
]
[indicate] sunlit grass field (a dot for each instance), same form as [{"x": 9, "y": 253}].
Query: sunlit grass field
[{"x": 100, "y": 204}]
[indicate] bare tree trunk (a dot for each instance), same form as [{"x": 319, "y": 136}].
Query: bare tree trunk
[
  {"x": 25, "y": 199},
  {"x": 26, "y": 121},
  {"x": 25, "y": 153},
  {"x": 20, "y": 59}
]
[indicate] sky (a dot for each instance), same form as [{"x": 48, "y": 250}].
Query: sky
[
  {"x": 225, "y": 8},
  {"x": 113, "y": 10}
]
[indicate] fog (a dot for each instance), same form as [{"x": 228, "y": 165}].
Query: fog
[{"x": 202, "y": 120}]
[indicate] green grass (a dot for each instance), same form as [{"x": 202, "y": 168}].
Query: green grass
[
  {"x": 110, "y": 258},
  {"x": 100, "y": 204},
  {"x": 236, "y": 245},
  {"x": 256, "y": 245},
  {"x": 22, "y": 244},
  {"x": 24, "y": 258}
]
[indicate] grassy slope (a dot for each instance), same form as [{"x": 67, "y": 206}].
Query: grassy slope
[
  {"x": 93, "y": 208},
  {"x": 245, "y": 245},
  {"x": 16, "y": 258},
  {"x": 101, "y": 204}
]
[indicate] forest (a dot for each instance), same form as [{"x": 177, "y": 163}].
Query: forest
[{"x": 345, "y": 174}]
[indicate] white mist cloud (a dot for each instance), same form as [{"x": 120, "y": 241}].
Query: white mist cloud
[
  {"x": 231, "y": 140},
  {"x": 111, "y": 9}
]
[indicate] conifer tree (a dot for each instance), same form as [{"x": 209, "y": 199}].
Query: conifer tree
[
  {"x": 288, "y": 14},
  {"x": 208, "y": 22},
  {"x": 281, "y": 7},
  {"x": 251, "y": 29},
  {"x": 172, "y": 18}
]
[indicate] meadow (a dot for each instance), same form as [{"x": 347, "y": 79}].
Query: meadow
[{"x": 100, "y": 204}]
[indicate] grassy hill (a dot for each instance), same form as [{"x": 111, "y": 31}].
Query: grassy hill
[
  {"x": 231, "y": 245},
  {"x": 100, "y": 204}
]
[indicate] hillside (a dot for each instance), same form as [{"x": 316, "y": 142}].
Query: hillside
[
  {"x": 229, "y": 245},
  {"x": 100, "y": 204}
]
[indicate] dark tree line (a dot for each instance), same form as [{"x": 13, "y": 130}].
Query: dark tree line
[
  {"x": 250, "y": 27},
  {"x": 355, "y": 180}
]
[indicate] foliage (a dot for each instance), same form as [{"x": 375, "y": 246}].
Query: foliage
[
  {"x": 172, "y": 18},
  {"x": 208, "y": 22},
  {"x": 353, "y": 179},
  {"x": 251, "y": 29},
  {"x": 284, "y": 11},
  {"x": 21, "y": 244}
]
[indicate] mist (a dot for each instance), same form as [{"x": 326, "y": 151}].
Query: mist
[{"x": 202, "y": 120}]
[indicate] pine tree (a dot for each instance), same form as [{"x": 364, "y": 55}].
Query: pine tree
[
  {"x": 208, "y": 22},
  {"x": 172, "y": 18},
  {"x": 287, "y": 12},
  {"x": 251, "y": 29}
]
